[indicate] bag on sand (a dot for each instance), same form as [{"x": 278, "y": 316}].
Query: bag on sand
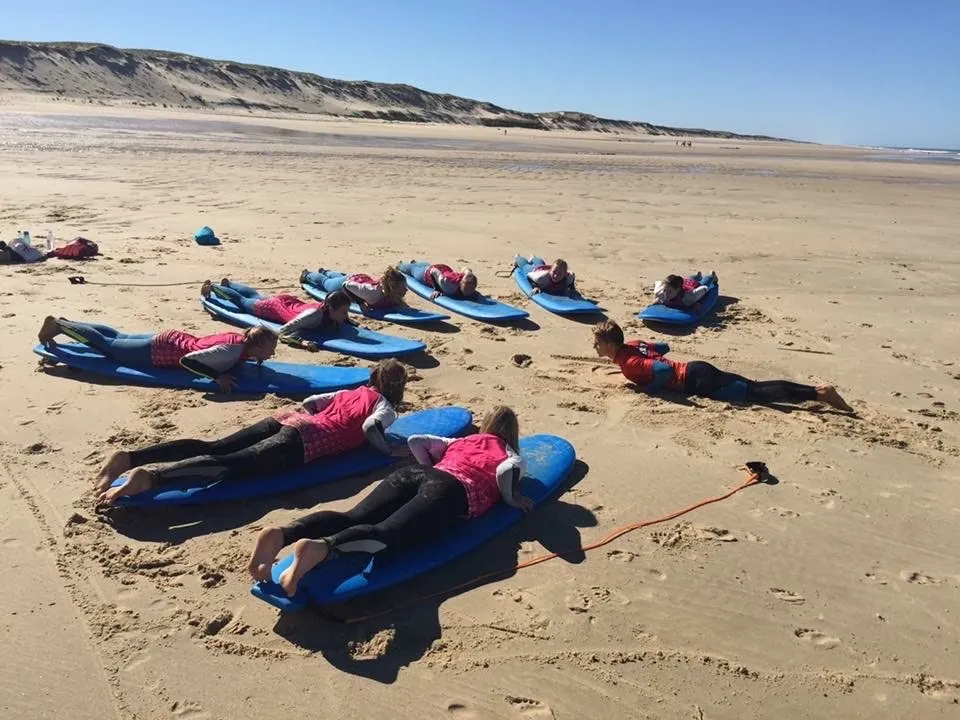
[{"x": 77, "y": 249}]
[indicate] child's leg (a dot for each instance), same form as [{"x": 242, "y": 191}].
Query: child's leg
[
  {"x": 230, "y": 293},
  {"x": 130, "y": 350},
  {"x": 416, "y": 270}
]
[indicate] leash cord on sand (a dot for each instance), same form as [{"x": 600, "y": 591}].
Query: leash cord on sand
[
  {"x": 757, "y": 472},
  {"x": 81, "y": 280}
]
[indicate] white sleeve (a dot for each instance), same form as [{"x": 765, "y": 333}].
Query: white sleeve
[
  {"x": 308, "y": 319},
  {"x": 539, "y": 278},
  {"x": 660, "y": 291},
  {"x": 382, "y": 417},
  {"x": 509, "y": 473},
  {"x": 428, "y": 449},
  {"x": 694, "y": 296},
  {"x": 370, "y": 293},
  {"x": 316, "y": 403},
  {"x": 219, "y": 358}
]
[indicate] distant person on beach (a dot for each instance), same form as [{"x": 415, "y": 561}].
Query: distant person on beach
[
  {"x": 644, "y": 365},
  {"x": 212, "y": 356},
  {"x": 442, "y": 278},
  {"x": 325, "y": 425},
  {"x": 455, "y": 481},
  {"x": 293, "y": 314},
  {"x": 555, "y": 279},
  {"x": 368, "y": 293},
  {"x": 679, "y": 292}
]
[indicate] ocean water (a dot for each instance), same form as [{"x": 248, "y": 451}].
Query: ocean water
[{"x": 936, "y": 155}]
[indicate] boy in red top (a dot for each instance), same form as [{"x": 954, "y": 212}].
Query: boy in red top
[{"x": 644, "y": 364}]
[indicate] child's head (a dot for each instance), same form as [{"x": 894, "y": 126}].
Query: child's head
[
  {"x": 607, "y": 339},
  {"x": 502, "y": 422},
  {"x": 559, "y": 270},
  {"x": 259, "y": 343},
  {"x": 393, "y": 284},
  {"x": 389, "y": 378},
  {"x": 673, "y": 286},
  {"x": 468, "y": 285},
  {"x": 338, "y": 306}
]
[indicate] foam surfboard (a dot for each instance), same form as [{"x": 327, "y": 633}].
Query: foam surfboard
[
  {"x": 676, "y": 316},
  {"x": 479, "y": 307},
  {"x": 400, "y": 315},
  {"x": 444, "y": 421},
  {"x": 573, "y": 304},
  {"x": 347, "y": 339},
  {"x": 349, "y": 575},
  {"x": 272, "y": 377}
]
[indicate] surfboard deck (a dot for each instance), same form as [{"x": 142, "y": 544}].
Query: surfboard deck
[
  {"x": 349, "y": 575},
  {"x": 401, "y": 316},
  {"x": 444, "y": 421},
  {"x": 676, "y": 316},
  {"x": 348, "y": 339},
  {"x": 560, "y": 304},
  {"x": 272, "y": 377},
  {"x": 480, "y": 307}
]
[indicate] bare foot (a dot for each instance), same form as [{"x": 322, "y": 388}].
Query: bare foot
[
  {"x": 307, "y": 554},
  {"x": 49, "y": 330},
  {"x": 269, "y": 543},
  {"x": 303, "y": 275},
  {"x": 828, "y": 394},
  {"x": 225, "y": 282},
  {"x": 205, "y": 288},
  {"x": 137, "y": 481},
  {"x": 116, "y": 466}
]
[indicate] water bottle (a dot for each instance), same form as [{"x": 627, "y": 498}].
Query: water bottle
[
  {"x": 49, "y": 240},
  {"x": 25, "y": 236}
]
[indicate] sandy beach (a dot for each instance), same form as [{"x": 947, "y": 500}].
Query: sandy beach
[{"x": 833, "y": 593}]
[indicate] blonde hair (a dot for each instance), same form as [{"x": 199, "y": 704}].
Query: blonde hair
[
  {"x": 608, "y": 332},
  {"x": 502, "y": 422},
  {"x": 259, "y": 335},
  {"x": 392, "y": 281}
]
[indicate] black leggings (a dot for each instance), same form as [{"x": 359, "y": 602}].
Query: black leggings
[
  {"x": 409, "y": 507},
  {"x": 266, "y": 446},
  {"x": 705, "y": 380}
]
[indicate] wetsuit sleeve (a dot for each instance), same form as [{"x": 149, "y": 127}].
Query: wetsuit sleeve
[
  {"x": 662, "y": 374},
  {"x": 368, "y": 293},
  {"x": 316, "y": 403},
  {"x": 212, "y": 362},
  {"x": 692, "y": 297},
  {"x": 509, "y": 473},
  {"x": 540, "y": 278},
  {"x": 428, "y": 449},
  {"x": 307, "y": 320},
  {"x": 382, "y": 417},
  {"x": 439, "y": 282}
]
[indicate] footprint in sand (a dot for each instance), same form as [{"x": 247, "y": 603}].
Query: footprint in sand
[
  {"x": 621, "y": 555},
  {"x": 919, "y": 578},
  {"x": 787, "y": 596},
  {"x": 188, "y": 710},
  {"x": 816, "y": 637},
  {"x": 828, "y": 498},
  {"x": 530, "y": 708},
  {"x": 462, "y": 712}
]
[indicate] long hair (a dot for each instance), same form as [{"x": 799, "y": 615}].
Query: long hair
[
  {"x": 389, "y": 378},
  {"x": 392, "y": 281},
  {"x": 502, "y": 422}
]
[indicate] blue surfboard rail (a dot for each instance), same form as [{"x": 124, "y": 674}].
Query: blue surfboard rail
[
  {"x": 573, "y": 304},
  {"x": 345, "y": 576},
  {"x": 445, "y": 421},
  {"x": 401, "y": 316},
  {"x": 676, "y": 316},
  {"x": 272, "y": 377},
  {"x": 479, "y": 307},
  {"x": 347, "y": 339}
]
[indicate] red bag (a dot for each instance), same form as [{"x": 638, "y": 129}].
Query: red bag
[{"x": 77, "y": 249}]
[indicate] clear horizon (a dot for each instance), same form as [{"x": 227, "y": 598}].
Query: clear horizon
[{"x": 866, "y": 73}]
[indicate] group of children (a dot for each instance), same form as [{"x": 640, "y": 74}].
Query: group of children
[{"x": 454, "y": 479}]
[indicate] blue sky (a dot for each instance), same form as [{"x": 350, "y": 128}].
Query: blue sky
[{"x": 884, "y": 72}]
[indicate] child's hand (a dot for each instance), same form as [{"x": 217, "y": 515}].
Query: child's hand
[
  {"x": 435, "y": 295},
  {"x": 311, "y": 346}
]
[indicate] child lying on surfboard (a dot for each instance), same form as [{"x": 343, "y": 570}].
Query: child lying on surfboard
[
  {"x": 682, "y": 293},
  {"x": 295, "y": 315},
  {"x": 212, "y": 356},
  {"x": 325, "y": 425},
  {"x": 645, "y": 365},
  {"x": 555, "y": 279},
  {"x": 368, "y": 293},
  {"x": 456, "y": 479},
  {"x": 442, "y": 278}
]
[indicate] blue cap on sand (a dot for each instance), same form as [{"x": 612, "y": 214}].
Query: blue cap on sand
[{"x": 206, "y": 236}]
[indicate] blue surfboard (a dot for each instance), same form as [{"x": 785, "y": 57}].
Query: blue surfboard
[
  {"x": 479, "y": 307},
  {"x": 676, "y": 316},
  {"x": 347, "y": 339},
  {"x": 400, "y": 315},
  {"x": 572, "y": 304},
  {"x": 349, "y": 575},
  {"x": 272, "y": 377},
  {"x": 444, "y": 421}
]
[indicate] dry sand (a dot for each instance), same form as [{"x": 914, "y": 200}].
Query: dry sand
[{"x": 832, "y": 594}]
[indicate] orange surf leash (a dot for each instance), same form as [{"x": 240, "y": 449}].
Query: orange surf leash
[{"x": 757, "y": 473}]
